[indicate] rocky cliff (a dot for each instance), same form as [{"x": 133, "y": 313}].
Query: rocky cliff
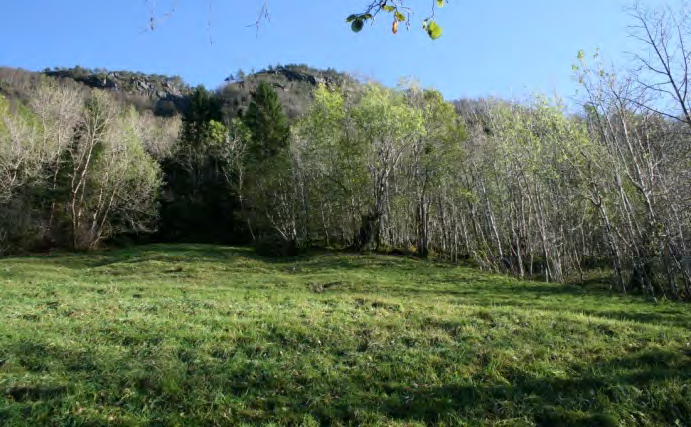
[
  {"x": 293, "y": 83},
  {"x": 167, "y": 95}
]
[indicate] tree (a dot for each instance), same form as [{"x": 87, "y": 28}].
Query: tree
[
  {"x": 267, "y": 122},
  {"x": 203, "y": 108},
  {"x": 332, "y": 164},
  {"x": 19, "y": 170},
  {"x": 387, "y": 126},
  {"x": 106, "y": 174},
  {"x": 662, "y": 71},
  {"x": 266, "y": 195},
  {"x": 202, "y": 182},
  {"x": 646, "y": 166},
  {"x": 434, "y": 155},
  {"x": 19, "y": 148}
]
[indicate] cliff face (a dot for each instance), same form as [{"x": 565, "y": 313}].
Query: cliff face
[
  {"x": 167, "y": 95},
  {"x": 303, "y": 74}
]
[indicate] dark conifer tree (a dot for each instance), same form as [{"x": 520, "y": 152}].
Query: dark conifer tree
[{"x": 268, "y": 123}]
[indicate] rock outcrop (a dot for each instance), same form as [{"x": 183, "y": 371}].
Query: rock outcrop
[{"x": 166, "y": 94}]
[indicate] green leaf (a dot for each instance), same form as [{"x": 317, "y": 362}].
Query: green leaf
[
  {"x": 440, "y": 3},
  {"x": 388, "y": 8},
  {"x": 366, "y": 16},
  {"x": 351, "y": 18},
  {"x": 433, "y": 30},
  {"x": 357, "y": 25},
  {"x": 400, "y": 16}
]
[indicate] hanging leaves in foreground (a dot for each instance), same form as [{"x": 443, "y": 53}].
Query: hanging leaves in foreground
[
  {"x": 358, "y": 21},
  {"x": 400, "y": 12},
  {"x": 433, "y": 30}
]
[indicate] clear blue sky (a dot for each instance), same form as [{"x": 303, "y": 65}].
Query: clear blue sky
[{"x": 489, "y": 47}]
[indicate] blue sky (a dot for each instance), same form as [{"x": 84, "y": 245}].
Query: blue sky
[{"x": 489, "y": 47}]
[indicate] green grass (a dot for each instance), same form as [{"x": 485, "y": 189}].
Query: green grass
[{"x": 202, "y": 335}]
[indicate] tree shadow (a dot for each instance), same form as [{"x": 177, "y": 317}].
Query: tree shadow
[
  {"x": 581, "y": 399},
  {"x": 316, "y": 258},
  {"x": 592, "y": 395}
]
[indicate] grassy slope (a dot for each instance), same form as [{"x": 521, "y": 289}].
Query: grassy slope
[{"x": 204, "y": 335}]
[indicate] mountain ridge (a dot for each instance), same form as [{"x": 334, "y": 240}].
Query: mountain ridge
[{"x": 169, "y": 95}]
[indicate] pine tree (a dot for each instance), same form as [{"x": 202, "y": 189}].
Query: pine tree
[
  {"x": 201, "y": 202},
  {"x": 203, "y": 108},
  {"x": 268, "y": 123}
]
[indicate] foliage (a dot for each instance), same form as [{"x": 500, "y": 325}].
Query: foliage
[
  {"x": 201, "y": 195},
  {"x": 355, "y": 158},
  {"x": 267, "y": 122},
  {"x": 399, "y": 12},
  {"x": 75, "y": 171}
]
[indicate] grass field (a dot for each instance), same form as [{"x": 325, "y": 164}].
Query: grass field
[{"x": 202, "y": 335}]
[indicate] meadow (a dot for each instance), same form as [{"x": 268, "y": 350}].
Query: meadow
[{"x": 209, "y": 335}]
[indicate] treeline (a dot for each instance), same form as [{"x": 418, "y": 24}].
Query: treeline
[
  {"x": 518, "y": 187},
  {"x": 522, "y": 188},
  {"x": 526, "y": 188}
]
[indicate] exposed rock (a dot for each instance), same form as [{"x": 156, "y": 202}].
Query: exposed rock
[
  {"x": 155, "y": 88},
  {"x": 168, "y": 95},
  {"x": 293, "y": 75},
  {"x": 294, "y": 85}
]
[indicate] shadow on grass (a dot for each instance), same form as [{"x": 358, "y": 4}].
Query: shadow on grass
[
  {"x": 494, "y": 291},
  {"x": 652, "y": 383},
  {"x": 209, "y": 253},
  {"x": 581, "y": 400}
]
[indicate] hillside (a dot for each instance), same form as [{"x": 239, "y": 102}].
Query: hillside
[
  {"x": 293, "y": 83},
  {"x": 163, "y": 95},
  {"x": 168, "y": 95},
  {"x": 206, "y": 335}
]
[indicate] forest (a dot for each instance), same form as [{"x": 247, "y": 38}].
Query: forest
[{"x": 527, "y": 187}]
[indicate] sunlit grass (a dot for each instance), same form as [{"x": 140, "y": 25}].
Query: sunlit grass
[{"x": 202, "y": 335}]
